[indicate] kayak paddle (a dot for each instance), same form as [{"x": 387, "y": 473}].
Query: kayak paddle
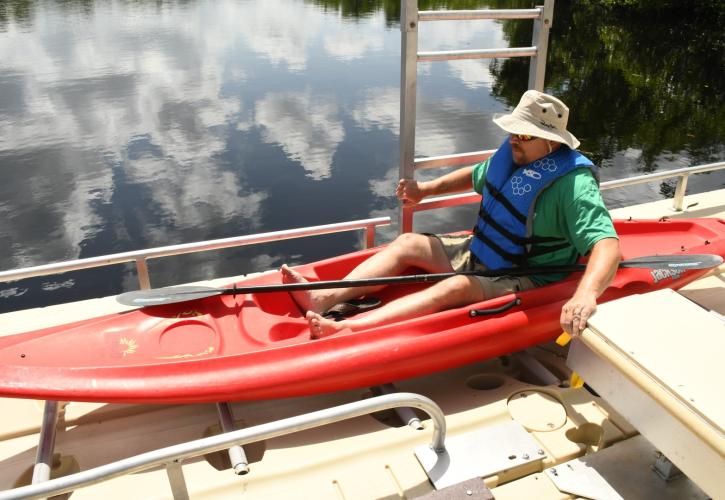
[{"x": 171, "y": 295}]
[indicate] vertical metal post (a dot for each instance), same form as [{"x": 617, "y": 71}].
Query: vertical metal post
[
  {"x": 665, "y": 468},
  {"x": 408, "y": 91},
  {"x": 176, "y": 480},
  {"x": 236, "y": 453},
  {"x": 370, "y": 236},
  {"x": 540, "y": 39},
  {"x": 679, "y": 198},
  {"x": 46, "y": 444},
  {"x": 142, "y": 269}
]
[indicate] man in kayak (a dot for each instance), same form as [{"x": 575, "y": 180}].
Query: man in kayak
[{"x": 541, "y": 206}]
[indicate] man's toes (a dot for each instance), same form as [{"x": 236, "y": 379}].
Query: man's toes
[
  {"x": 288, "y": 276},
  {"x": 313, "y": 318},
  {"x": 314, "y": 322}
]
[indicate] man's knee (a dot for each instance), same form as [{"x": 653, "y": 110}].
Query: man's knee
[
  {"x": 460, "y": 290},
  {"x": 407, "y": 239},
  {"x": 420, "y": 250},
  {"x": 411, "y": 243}
]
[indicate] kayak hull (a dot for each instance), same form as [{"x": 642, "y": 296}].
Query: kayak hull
[{"x": 250, "y": 347}]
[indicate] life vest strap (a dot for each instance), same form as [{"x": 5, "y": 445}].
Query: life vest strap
[
  {"x": 521, "y": 240},
  {"x": 544, "y": 249},
  {"x": 519, "y": 259},
  {"x": 516, "y": 259},
  {"x": 505, "y": 202}
]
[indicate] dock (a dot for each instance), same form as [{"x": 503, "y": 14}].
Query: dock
[{"x": 627, "y": 433}]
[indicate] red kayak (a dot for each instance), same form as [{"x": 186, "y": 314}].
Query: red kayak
[{"x": 257, "y": 346}]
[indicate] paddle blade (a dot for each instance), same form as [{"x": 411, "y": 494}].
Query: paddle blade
[
  {"x": 170, "y": 295},
  {"x": 682, "y": 262}
]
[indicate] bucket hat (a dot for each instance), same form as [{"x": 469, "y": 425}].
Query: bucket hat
[{"x": 539, "y": 115}]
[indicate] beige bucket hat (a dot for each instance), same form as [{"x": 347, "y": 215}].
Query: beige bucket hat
[{"x": 540, "y": 115}]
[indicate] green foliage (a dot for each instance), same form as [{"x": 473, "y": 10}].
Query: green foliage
[
  {"x": 652, "y": 83},
  {"x": 14, "y": 9}
]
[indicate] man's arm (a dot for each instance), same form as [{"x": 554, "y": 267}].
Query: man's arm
[
  {"x": 411, "y": 191},
  {"x": 601, "y": 268}
]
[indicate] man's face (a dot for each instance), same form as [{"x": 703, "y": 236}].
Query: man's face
[{"x": 526, "y": 149}]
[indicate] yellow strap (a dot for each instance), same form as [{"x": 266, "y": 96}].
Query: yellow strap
[
  {"x": 576, "y": 381},
  {"x": 563, "y": 339}
]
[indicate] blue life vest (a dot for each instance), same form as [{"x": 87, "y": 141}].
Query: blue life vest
[{"x": 503, "y": 236}]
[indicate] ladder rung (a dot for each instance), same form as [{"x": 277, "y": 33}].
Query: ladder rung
[
  {"x": 447, "y": 55},
  {"x": 459, "y": 15}
]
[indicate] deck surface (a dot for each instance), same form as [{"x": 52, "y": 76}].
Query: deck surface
[
  {"x": 364, "y": 457},
  {"x": 634, "y": 354}
]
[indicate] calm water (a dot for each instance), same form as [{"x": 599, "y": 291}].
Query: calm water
[{"x": 132, "y": 124}]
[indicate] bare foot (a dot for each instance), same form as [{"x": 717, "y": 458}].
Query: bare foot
[
  {"x": 322, "y": 327},
  {"x": 307, "y": 300}
]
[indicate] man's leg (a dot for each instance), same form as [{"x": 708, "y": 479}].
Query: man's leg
[
  {"x": 408, "y": 250},
  {"x": 453, "y": 292}
]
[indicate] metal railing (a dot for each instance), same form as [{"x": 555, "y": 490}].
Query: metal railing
[
  {"x": 410, "y": 17},
  {"x": 677, "y": 203},
  {"x": 683, "y": 174},
  {"x": 140, "y": 257},
  {"x": 455, "y": 160},
  {"x": 172, "y": 456}
]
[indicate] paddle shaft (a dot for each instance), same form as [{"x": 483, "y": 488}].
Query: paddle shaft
[
  {"x": 656, "y": 262},
  {"x": 397, "y": 280}
]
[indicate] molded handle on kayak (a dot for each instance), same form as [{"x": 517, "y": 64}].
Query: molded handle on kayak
[{"x": 484, "y": 312}]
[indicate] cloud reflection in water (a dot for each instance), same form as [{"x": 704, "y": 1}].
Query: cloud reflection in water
[
  {"x": 306, "y": 125},
  {"x": 125, "y": 125}
]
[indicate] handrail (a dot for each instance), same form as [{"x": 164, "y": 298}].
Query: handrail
[
  {"x": 171, "y": 456},
  {"x": 679, "y": 172},
  {"x": 678, "y": 201},
  {"x": 141, "y": 256},
  {"x": 682, "y": 173},
  {"x": 454, "y": 160}
]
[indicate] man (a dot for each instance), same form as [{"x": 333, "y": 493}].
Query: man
[{"x": 541, "y": 206}]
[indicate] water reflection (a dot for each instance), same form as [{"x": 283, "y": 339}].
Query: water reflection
[
  {"x": 648, "y": 81},
  {"x": 278, "y": 30},
  {"x": 350, "y": 41},
  {"x": 128, "y": 124},
  {"x": 306, "y": 126}
]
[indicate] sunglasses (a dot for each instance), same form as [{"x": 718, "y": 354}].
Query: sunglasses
[{"x": 523, "y": 137}]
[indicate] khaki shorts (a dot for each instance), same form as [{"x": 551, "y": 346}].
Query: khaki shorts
[{"x": 457, "y": 249}]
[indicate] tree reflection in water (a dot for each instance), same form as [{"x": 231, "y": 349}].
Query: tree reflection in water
[
  {"x": 644, "y": 79},
  {"x": 649, "y": 77}
]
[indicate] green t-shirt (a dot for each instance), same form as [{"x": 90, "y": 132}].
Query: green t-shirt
[{"x": 571, "y": 208}]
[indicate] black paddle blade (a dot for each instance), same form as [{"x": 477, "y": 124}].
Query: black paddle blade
[
  {"x": 169, "y": 295},
  {"x": 681, "y": 262}
]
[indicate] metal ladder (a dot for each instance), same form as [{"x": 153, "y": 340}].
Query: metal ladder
[{"x": 410, "y": 17}]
